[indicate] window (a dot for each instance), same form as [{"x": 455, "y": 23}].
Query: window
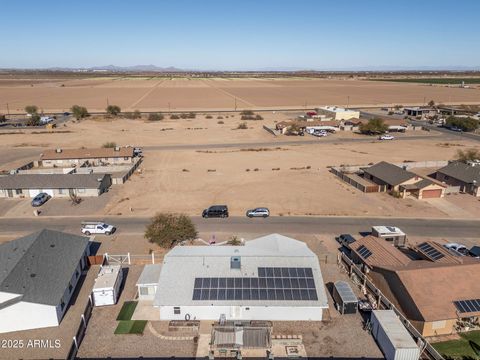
[
  {"x": 77, "y": 273},
  {"x": 70, "y": 287},
  {"x": 125, "y": 158},
  {"x": 62, "y": 305},
  {"x": 143, "y": 290},
  {"x": 81, "y": 190},
  {"x": 18, "y": 191},
  {"x": 176, "y": 310},
  {"x": 61, "y": 191}
]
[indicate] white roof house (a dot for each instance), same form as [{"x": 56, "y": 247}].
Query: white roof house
[
  {"x": 270, "y": 278},
  {"x": 338, "y": 113}
]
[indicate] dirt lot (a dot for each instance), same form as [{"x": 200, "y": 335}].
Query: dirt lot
[
  {"x": 158, "y": 93},
  {"x": 289, "y": 179}
]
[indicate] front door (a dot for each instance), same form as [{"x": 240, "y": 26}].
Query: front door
[{"x": 9, "y": 193}]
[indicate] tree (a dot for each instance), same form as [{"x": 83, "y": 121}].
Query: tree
[
  {"x": 34, "y": 120},
  {"x": 468, "y": 155},
  {"x": 110, "y": 144},
  {"x": 113, "y": 110},
  {"x": 234, "y": 241},
  {"x": 79, "y": 112},
  {"x": 466, "y": 124},
  {"x": 166, "y": 230},
  {"x": 155, "y": 117},
  {"x": 3, "y": 118},
  {"x": 31, "y": 109},
  {"x": 374, "y": 126}
]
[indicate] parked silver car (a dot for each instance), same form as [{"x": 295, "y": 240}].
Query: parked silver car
[{"x": 258, "y": 212}]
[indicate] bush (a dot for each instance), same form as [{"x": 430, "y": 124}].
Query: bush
[
  {"x": 468, "y": 155},
  {"x": 221, "y": 122},
  {"x": 113, "y": 110},
  {"x": 247, "y": 112},
  {"x": 174, "y": 117},
  {"x": 234, "y": 241},
  {"x": 79, "y": 112},
  {"x": 133, "y": 115},
  {"x": 258, "y": 117},
  {"x": 34, "y": 120},
  {"x": 192, "y": 115},
  {"x": 219, "y": 117},
  {"x": 209, "y": 117},
  {"x": 110, "y": 144},
  {"x": 242, "y": 126},
  {"x": 3, "y": 118},
  {"x": 31, "y": 109},
  {"x": 155, "y": 117},
  {"x": 167, "y": 230},
  {"x": 374, "y": 126}
]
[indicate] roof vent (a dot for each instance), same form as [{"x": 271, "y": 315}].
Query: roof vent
[
  {"x": 58, "y": 150},
  {"x": 117, "y": 148},
  {"x": 235, "y": 262}
]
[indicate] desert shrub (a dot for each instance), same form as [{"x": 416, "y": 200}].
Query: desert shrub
[
  {"x": 256, "y": 169},
  {"x": 34, "y": 120},
  {"x": 234, "y": 241},
  {"x": 166, "y": 230},
  {"x": 219, "y": 117},
  {"x": 174, "y": 117},
  {"x": 247, "y": 112},
  {"x": 208, "y": 117},
  {"x": 109, "y": 144},
  {"x": 31, "y": 109},
  {"x": 258, "y": 117},
  {"x": 185, "y": 170},
  {"x": 3, "y": 118},
  {"x": 136, "y": 114},
  {"x": 242, "y": 126},
  {"x": 113, "y": 110},
  {"x": 155, "y": 117},
  {"x": 79, "y": 112},
  {"x": 468, "y": 155},
  {"x": 220, "y": 122},
  {"x": 374, "y": 126},
  {"x": 191, "y": 115}
]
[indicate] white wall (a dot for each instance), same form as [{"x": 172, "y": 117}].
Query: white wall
[
  {"x": 24, "y": 316},
  {"x": 278, "y": 313}
]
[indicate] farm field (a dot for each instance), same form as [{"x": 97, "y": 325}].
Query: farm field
[{"x": 184, "y": 94}]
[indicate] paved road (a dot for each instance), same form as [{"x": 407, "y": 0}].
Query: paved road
[
  {"x": 297, "y": 225},
  {"x": 274, "y": 143},
  {"x": 449, "y": 133}
]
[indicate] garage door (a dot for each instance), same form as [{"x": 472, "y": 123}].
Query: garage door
[{"x": 428, "y": 194}]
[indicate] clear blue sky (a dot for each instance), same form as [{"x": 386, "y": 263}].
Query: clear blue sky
[{"x": 242, "y": 34}]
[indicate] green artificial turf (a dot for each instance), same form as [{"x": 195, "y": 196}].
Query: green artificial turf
[
  {"x": 130, "y": 327},
  {"x": 127, "y": 310},
  {"x": 467, "y": 347}
]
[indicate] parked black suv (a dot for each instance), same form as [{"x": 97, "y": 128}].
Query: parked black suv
[{"x": 220, "y": 211}]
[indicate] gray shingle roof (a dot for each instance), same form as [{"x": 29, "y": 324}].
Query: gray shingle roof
[
  {"x": 389, "y": 173},
  {"x": 51, "y": 181},
  {"x": 39, "y": 266},
  {"x": 462, "y": 172}
]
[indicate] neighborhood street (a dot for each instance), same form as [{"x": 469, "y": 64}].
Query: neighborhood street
[{"x": 448, "y": 228}]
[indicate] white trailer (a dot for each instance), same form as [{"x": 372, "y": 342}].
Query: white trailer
[
  {"x": 393, "y": 339},
  {"x": 107, "y": 285}
]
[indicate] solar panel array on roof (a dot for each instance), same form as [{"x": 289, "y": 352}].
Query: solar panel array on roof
[
  {"x": 345, "y": 292},
  {"x": 430, "y": 251},
  {"x": 271, "y": 284},
  {"x": 364, "y": 252},
  {"x": 468, "y": 306}
]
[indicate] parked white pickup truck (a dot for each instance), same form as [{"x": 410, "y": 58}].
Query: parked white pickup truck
[{"x": 97, "y": 227}]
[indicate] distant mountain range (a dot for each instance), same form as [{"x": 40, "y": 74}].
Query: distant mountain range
[{"x": 113, "y": 68}]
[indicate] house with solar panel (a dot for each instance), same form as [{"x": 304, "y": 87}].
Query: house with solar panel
[
  {"x": 437, "y": 289},
  {"x": 38, "y": 276},
  {"x": 270, "y": 278}
]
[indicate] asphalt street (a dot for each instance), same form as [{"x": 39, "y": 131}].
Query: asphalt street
[{"x": 452, "y": 228}]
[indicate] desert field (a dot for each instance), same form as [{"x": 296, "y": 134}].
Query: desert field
[
  {"x": 193, "y": 163},
  {"x": 223, "y": 94}
]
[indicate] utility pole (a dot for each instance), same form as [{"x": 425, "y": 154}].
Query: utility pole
[
  {"x": 169, "y": 107},
  {"x": 8, "y": 110},
  {"x": 107, "y": 103},
  {"x": 235, "y": 104},
  {"x": 348, "y": 101}
]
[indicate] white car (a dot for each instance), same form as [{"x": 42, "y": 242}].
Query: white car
[
  {"x": 386, "y": 137},
  {"x": 319, "y": 133},
  {"x": 258, "y": 212},
  {"x": 462, "y": 249},
  {"x": 97, "y": 227}
]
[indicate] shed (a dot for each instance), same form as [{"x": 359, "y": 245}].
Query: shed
[
  {"x": 107, "y": 285},
  {"x": 148, "y": 281},
  {"x": 393, "y": 339},
  {"x": 345, "y": 300}
]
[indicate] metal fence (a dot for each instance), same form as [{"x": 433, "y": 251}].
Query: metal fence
[
  {"x": 129, "y": 259},
  {"x": 82, "y": 327},
  {"x": 386, "y": 304}
]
